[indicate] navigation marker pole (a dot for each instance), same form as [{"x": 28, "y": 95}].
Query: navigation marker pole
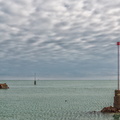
[
  {"x": 117, "y": 92},
  {"x": 116, "y": 104},
  {"x": 35, "y": 79},
  {"x": 118, "y": 43}
]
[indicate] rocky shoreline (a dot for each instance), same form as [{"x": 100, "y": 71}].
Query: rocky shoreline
[{"x": 110, "y": 109}]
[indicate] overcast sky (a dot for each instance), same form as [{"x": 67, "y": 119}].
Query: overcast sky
[{"x": 59, "y": 39}]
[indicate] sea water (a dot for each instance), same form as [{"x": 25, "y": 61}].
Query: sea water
[{"x": 57, "y": 100}]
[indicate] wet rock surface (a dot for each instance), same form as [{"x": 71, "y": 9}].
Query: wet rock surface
[
  {"x": 4, "y": 86},
  {"x": 110, "y": 109}
]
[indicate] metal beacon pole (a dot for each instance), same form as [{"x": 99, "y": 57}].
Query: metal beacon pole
[
  {"x": 117, "y": 92},
  {"x": 116, "y": 104}
]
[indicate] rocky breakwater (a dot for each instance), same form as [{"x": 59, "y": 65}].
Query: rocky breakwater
[{"x": 4, "y": 86}]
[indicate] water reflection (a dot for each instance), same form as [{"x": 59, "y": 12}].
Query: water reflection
[{"x": 116, "y": 116}]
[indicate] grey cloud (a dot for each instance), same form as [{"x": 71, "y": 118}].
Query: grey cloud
[{"x": 59, "y": 30}]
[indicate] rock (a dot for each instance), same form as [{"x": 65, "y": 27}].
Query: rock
[
  {"x": 4, "y": 86},
  {"x": 116, "y": 116},
  {"x": 110, "y": 109}
]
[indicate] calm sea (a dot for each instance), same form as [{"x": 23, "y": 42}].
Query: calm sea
[{"x": 56, "y": 100}]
